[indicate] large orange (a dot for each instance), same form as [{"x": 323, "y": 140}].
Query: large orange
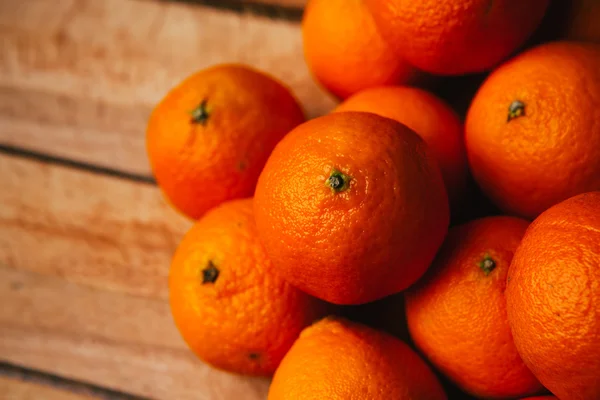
[
  {"x": 532, "y": 132},
  {"x": 553, "y": 298},
  {"x": 457, "y": 313},
  {"x": 209, "y": 138},
  {"x": 229, "y": 306},
  {"x": 351, "y": 207},
  {"x": 337, "y": 360},
  {"x": 345, "y": 51},
  {"x": 430, "y": 118},
  {"x": 451, "y": 37}
]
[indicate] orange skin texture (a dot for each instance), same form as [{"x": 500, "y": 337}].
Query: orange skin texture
[
  {"x": 355, "y": 246},
  {"x": 553, "y": 298},
  {"x": 344, "y": 50},
  {"x": 582, "y": 23},
  {"x": 200, "y": 165},
  {"x": 430, "y": 117},
  {"x": 248, "y": 318},
  {"x": 447, "y": 37},
  {"x": 338, "y": 360},
  {"x": 457, "y": 315},
  {"x": 550, "y": 153}
]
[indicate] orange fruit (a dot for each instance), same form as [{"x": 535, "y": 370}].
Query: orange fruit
[
  {"x": 456, "y": 314},
  {"x": 336, "y": 360},
  {"x": 553, "y": 298},
  {"x": 449, "y": 37},
  {"x": 351, "y": 207},
  {"x": 582, "y": 21},
  {"x": 227, "y": 303},
  {"x": 532, "y": 132},
  {"x": 431, "y": 118},
  {"x": 344, "y": 50},
  {"x": 209, "y": 138}
]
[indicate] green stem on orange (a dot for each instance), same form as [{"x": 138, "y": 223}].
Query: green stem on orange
[
  {"x": 210, "y": 273},
  {"x": 338, "y": 181},
  {"x": 487, "y": 264},
  {"x": 515, "y": 110},
  {"x": 200, "y": 114}
]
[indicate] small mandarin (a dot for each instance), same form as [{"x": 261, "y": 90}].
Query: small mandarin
[
  {"x": 228, "y": 305},
  {"x": 532, "y": 133},
  {"x": 455, "y": 37},
  {"x": 457, "y": 313},
  {"x": 553, "y": 298},
  {"x": 209, "y": 138},
  {"x": 345, "y": 51},
  {"x": 351, "y": 207},
  {"x": 335, "y": 359}
]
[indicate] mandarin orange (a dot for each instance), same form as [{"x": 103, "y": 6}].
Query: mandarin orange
[
  {"x": 457, "y": 313},
  {"x": 532, "y": 132},
  {"x": 230, "y": 307},
  {"x": 351, "y": 207},
  {"x": 345, "y": 51},
  {"x": 337, "y": 360},
  {"x": 553, "y": 298},
  {"x": 210, "y": 137},
  {"x": 450, "y": 37}
]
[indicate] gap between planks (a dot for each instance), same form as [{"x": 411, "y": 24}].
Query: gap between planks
[
  {"x": 107, "y": 339},
  {"x": 290, "y": 10},
  {"x": 18, "y": 383},
  {"x": 72, "y": 93},
  {"x": 84, "y": 262}
]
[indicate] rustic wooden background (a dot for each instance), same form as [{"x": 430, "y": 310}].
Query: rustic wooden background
[{"x": 85, "y": 236}]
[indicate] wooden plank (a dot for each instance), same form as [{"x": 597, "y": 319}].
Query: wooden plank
[
  {"x": 78, "y": 78},
  {"x": 118, "y": 341},
  {"x": 99, "y": 230},
  {"x": 17, "y": 389},
  {"x": 284, "y": 3}
]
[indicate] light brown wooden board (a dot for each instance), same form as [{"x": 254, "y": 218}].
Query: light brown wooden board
[
  {"x": 98, "y": 230},
  {"x": 285, "y": 3},
  {"x": 78, "y": 78},
  {"x": 84, "y": 262},
  {"x": 16, "y": 389}
]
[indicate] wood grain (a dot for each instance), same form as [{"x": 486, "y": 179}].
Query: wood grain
[
  {"x": 118, "y": 341},
  {"x": 285, "y": 3},
  {"x": 78, "y": 78},
  {"x": 84, "y": 262},
  {"x": 16, "y": 389},
  {"x": 98, "y": 230}
]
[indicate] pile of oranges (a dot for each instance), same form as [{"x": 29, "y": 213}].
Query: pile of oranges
[{"x": 342, "y": 255}]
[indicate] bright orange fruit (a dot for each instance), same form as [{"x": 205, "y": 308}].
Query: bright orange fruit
[
  {"x": 228, "y": 305},
  {"x": 553, "y": 298},
  {"x": 450, "y": 37},
  {"x": 345, "y": 51},
  {"x": 337, "y": 360},
  {"x": 532, "y": 132},
  {"x": 457, "y": 313},
  {"x": 430, "y": 118},
  {"x": 351, "y": 207},
  {"x": 209, "y": 138}
]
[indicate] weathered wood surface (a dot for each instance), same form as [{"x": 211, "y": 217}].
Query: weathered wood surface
[
  {"x": 84, "y": 263},
  {"x": 84, "y": 257},
  {"x": 78, "y": 78},
  {"x": 17, "y": 389}
]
